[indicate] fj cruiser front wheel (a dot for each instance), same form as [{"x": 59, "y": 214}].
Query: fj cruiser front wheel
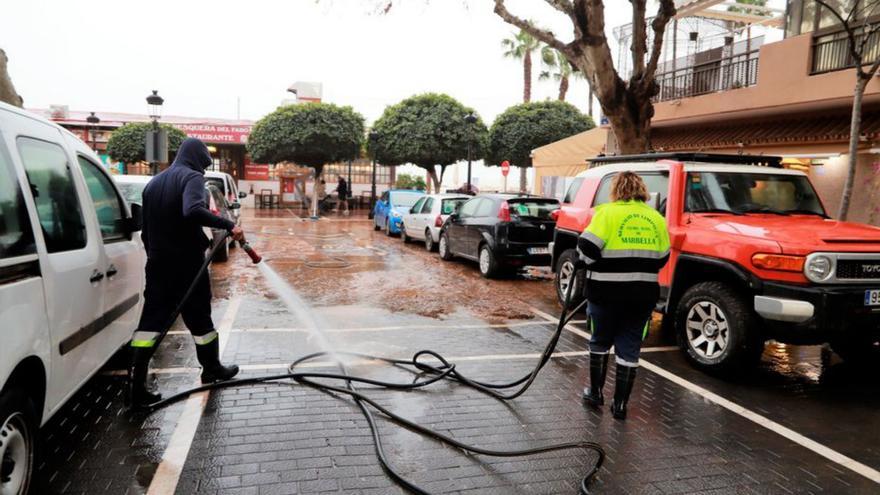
[
  {"x": 18, "y": 428},
  {"x": 565, "y": 274},
  {"x": 716, "y": 328}
]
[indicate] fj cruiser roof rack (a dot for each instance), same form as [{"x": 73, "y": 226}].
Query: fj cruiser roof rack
[{"x": 761, "y": 160}]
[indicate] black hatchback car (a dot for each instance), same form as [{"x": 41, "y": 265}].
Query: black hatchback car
[{"x": 501, "y": 232}]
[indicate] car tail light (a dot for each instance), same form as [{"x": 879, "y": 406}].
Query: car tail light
[
  {"x": 779, "y": 262},
  {"x": 438, "y": 222},
  {"x": 504, "y": 212},
  {"x": 554, "y": 215}
]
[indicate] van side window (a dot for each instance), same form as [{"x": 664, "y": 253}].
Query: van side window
[
  {"x": 657, "y": 182},
  {"x": 573, "y": 189},
  {"x": 54, "y": 193},
  {"x": 468, "y": 209},
  {"x": 428, "y": 206},
  {"x": 108, "y": 205},
  {"x": 16, "y": 237}
]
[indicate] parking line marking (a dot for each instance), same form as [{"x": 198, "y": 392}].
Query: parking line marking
[
  {"x": 571, "y": 328},
  {"x": 803, "y": 441},
  {"x": 826, "y": 452},
  {"x": 168, "y": 473}
]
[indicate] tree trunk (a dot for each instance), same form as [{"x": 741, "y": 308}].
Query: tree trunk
[
  {"x": 432, "y": 172},
  {"x": 7, "y": 90},
  {"x": 523, "y": 183},
  {"x": 854, "y": 131},
  {"x": 527, "y": 77},
  {"x": 563, "y": 87}
]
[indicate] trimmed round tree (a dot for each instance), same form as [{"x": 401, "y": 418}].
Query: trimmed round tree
[
  {"x": 428, "y": 130},
  {"x": 522, "y": 128},
  {"x": 310, "y": 134},
  {"x": 128, "y": 144}
]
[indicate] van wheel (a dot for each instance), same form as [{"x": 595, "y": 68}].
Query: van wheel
[
  {"x": 18, "y": 427},
  {"x": 717, "y": 329},
  {"x": 565, "y": 273},
  {"x": 443, "y": 248},
  {"x": 489, "y": 266}
]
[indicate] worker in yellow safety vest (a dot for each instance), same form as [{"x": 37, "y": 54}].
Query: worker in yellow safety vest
[{"x": 624, "y": 247}]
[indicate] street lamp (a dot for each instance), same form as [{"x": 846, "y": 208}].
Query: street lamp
[
  {"x": 470, "y": 119},
  {"x": 374, "y": 138},
  {"x": 93, "y": 121},
  {"x": 154, "y": 101}
]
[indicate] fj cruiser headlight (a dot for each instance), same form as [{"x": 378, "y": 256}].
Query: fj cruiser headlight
[{"x": 819, "y": 268}]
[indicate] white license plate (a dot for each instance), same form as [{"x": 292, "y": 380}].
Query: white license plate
[
  {"x": 872, "y": 297},
  {"x": 543, "y": 250}
]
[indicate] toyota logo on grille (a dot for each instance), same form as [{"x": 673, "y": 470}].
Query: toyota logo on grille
[
  {"x": 871, "y": 268},
  {"x": 544, "y": 227}
]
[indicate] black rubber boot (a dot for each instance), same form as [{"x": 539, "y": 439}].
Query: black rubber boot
[
  {"x": 598, "y": 370},
  {"x": 212, "y": 369},
  {"x": 626, "y": 376},
  {"x": 139, "y": 395}
]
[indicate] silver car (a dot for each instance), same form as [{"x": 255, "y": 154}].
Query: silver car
[{"x": 425, "y": 218}]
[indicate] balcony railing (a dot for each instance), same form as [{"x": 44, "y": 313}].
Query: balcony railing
[
  {"x": 831, "y": 51},
  {"x": 733, "y": 72}
]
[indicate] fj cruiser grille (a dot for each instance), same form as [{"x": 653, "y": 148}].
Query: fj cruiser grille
[{"x": 858, "y": 269}]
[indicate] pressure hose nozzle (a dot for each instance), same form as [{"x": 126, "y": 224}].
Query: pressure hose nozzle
[{"x": 255, "y": 257}]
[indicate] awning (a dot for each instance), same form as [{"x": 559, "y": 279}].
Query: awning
[
  {"x": 570, "y": 153},
  {"x": 811, "y": 129}
]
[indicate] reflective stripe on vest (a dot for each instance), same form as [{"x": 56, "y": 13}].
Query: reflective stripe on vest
[{"x": 622, "y": 277}]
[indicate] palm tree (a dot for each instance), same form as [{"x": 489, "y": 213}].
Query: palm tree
[
  {"x": 556, "y": 67},
  {"x": 521, "y": 46}
]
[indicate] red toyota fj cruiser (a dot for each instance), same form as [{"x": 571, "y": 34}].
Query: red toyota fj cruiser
[{"x": 754, "y": 256}]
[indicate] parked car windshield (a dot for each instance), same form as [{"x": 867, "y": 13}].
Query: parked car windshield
[
  {"x": 133, "y": 192},
  {"x": 448, "y": 206},
  {"x": 533, "y": 208},
  {"x": 741, "y": 193},
  {"x": 216, "y": 182},
  {"x": 405, "y": 199}
]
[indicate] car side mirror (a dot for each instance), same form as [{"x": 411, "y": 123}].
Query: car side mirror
[
  {"x": 135, "y": 222},
  {"x": 242, "y": 195},
  {"x": 235, "y": 206}
]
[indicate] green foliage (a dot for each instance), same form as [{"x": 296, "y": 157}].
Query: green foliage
[
  {"x": 311, "y": 134},
  {"x": 519, "y": 44},
  {"x": 524, "y": 127},
  {"x": 428, "y": 130},
  {"x": 407, "y": 181},
  {"x": 128, "y": 144}
]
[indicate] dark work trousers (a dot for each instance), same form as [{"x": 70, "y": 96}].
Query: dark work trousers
[
  {"x": 624, "y": 326},
  {"x": 167, "y": 281}
]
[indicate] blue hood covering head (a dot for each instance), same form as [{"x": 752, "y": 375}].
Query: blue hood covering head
[{"x": 193, "y": 153}]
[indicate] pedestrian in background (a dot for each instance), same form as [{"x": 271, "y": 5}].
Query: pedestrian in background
[
  {"x": 624, "y": 248},
  {"x": 343, "y": 192}
]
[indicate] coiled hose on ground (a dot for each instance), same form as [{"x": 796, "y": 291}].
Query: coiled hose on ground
[{"x": 435, "y": 373}]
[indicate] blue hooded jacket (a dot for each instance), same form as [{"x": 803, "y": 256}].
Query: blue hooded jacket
[{"x": 174, "y": 206}]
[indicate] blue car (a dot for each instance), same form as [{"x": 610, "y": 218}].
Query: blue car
[{"x": 390, "y": 208}]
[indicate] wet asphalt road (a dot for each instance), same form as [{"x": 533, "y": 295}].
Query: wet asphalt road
[{"x": 803, "y": 422}]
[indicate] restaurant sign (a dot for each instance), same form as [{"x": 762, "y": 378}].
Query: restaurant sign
[{"x": 219, "y": 134}]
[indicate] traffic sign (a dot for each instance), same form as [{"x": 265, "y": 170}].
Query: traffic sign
[{"x": 505, "y": 168}]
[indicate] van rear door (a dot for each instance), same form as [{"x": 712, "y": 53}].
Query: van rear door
[
  {"x": 22, "y": 304},
  {"x": 71, "y": 258}
]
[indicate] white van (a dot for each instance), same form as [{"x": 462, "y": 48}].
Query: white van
[
  {"x": 71, "y": 278},
  {"x": 226, "y": 184}
]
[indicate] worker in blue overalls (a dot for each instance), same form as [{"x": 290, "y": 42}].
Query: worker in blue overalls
[{"x": 174, "y": 212}]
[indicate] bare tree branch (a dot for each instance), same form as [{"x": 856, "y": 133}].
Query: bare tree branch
[
  {"x": 564, "y": 6},
  {"x": 665, "y": 12},
  {"x": 639, "y": 40},
  {"x": 542, "y": 34}
]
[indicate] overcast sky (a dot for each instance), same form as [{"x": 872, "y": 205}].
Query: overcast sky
[{"x": 202, "y": 55}]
